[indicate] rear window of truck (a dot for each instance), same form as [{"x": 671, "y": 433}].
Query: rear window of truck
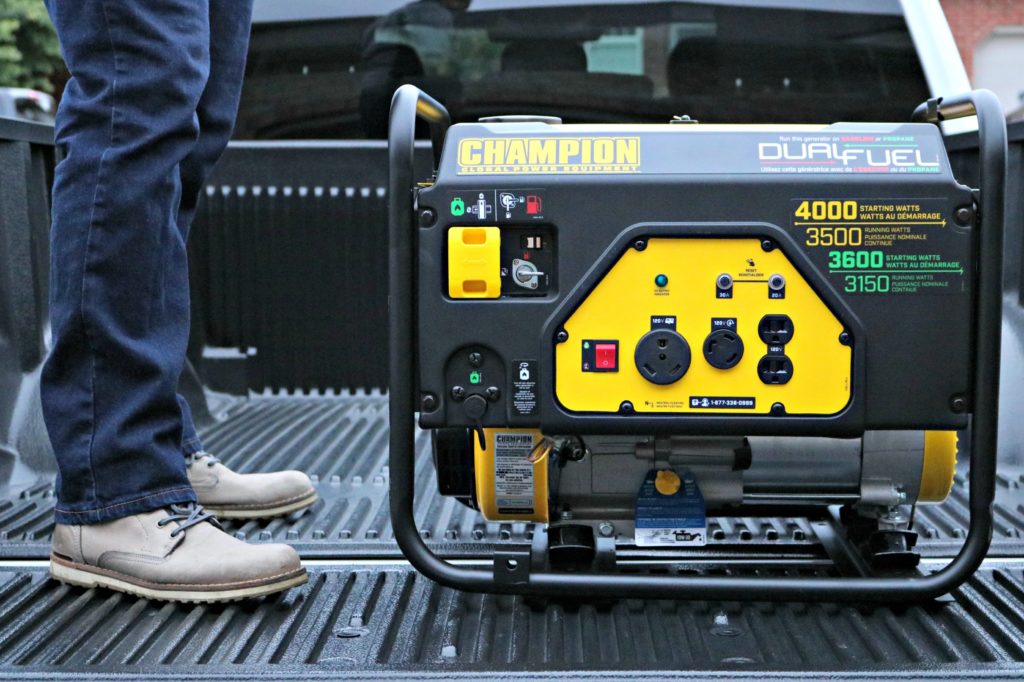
[{"x": 719, "y": 62}]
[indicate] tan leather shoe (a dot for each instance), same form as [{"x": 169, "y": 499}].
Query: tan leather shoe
[
  {"x": 230, "y": 495},
  {"x": 174, "y": 554}
]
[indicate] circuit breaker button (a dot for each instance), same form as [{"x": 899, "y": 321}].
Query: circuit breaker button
[{"x": 606, "y": 355}]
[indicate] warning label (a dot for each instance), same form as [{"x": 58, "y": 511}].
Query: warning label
[
  {"x": 884, "y": 246},
  {"x": 513, "y": 472},
  {"x": 670, "y": 518},
  {"x": 524, "y": 388}
]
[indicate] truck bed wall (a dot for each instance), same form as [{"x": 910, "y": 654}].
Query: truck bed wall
[
  {"x": 289, "y": 256},
  {"x": 26, "y": 174}
]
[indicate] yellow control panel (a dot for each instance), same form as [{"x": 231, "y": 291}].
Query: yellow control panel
[{"x": 702, "y": 325}]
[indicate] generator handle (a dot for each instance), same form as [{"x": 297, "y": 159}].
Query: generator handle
[
  {"x": 939, "y": 109},
  {"x": 988, "y": 299},
  {"x": 410, "y": 103}
]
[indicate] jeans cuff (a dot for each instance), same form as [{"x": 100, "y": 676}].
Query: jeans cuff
[
  {"x": 118, "y": 510},
  {"x": 191, "y": 446}
]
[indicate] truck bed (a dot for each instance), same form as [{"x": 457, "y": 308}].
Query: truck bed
[
  {"x": 383, "y": 620},
  {"x": 341, "y": 442},
  {"x": 366, "y": 611}
]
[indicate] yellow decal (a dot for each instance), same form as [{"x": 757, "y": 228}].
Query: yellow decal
[
  {"x": 548, "y": 155},
  {"x": 511, "y": 485}
]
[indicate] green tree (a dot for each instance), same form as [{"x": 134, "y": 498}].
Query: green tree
[{"x": 29, "y": 54}]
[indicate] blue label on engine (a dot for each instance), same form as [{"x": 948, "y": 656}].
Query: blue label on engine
[{"x": 673, "y": 516}]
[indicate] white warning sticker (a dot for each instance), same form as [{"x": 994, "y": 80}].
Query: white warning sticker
[{"x": 513, "y": 472}]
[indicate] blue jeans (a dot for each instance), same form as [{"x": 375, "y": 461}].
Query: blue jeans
[{"x": 149, "y": 108}]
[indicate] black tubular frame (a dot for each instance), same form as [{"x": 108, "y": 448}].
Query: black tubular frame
[{"x": 408, "y": 104}]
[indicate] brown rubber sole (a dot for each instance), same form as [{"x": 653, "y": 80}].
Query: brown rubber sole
[{"x": 83, "y": 575}]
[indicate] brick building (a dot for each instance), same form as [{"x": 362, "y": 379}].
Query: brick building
[{"x": 990, "y": 35}]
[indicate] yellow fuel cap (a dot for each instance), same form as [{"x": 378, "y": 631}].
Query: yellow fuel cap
[{"x": 667, "y": 482}]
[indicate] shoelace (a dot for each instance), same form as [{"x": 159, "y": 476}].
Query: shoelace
[
  {"x": 194, "y": 457},
  {"x": 187, "y": 515}
]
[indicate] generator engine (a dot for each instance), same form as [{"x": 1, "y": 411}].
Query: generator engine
[{"x": 620, "y": 332}]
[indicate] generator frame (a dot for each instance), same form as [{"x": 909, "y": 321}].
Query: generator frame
[{"x": 511, "y": 572}]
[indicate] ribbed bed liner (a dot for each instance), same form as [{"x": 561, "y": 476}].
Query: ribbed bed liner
[
  {"x": 341, "y": 441},
  {"x": 384, "y": 620},
  {"x": 378, "y": 618}
]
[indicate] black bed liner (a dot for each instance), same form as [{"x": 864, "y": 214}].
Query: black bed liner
[
  {"x": 388, "y": 619},
  {"x": 366, "y": 612},
  {"x": 341, "y": 441}
]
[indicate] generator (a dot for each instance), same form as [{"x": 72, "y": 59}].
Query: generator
[{"x": 617, "y": 332}]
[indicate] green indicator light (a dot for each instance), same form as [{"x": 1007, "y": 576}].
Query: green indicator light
[
  {"x": 475, "y": 378},
  {"x": 586, "y": 344},
  {"x": 661, "y": 280}
]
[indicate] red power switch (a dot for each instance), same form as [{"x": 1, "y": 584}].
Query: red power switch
[{"x": 605, "y": 355}]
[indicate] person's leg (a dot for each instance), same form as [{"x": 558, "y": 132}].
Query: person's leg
[
  {"x": 119, "y": 283},
  {"x": 191, "y": 443},
  {"x": 221, "y": 490},
  {"x": 120, "y": 308},
  {"x": 230, "y": 22}
]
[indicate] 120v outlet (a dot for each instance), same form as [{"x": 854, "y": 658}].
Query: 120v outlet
[
  {"x": 775, "y": 369},
  {"x": 662, "y": 356},
  {"x": 775, "y": 330},
  {"x": 723, "y": 349}
]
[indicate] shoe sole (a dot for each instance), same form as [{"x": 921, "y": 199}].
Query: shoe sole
[
  {"x": 88, "y": 576},
  {"x": 266, "y": 513}
]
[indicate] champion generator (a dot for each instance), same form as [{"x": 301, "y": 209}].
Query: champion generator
[{"x": 617, "y": 332}]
